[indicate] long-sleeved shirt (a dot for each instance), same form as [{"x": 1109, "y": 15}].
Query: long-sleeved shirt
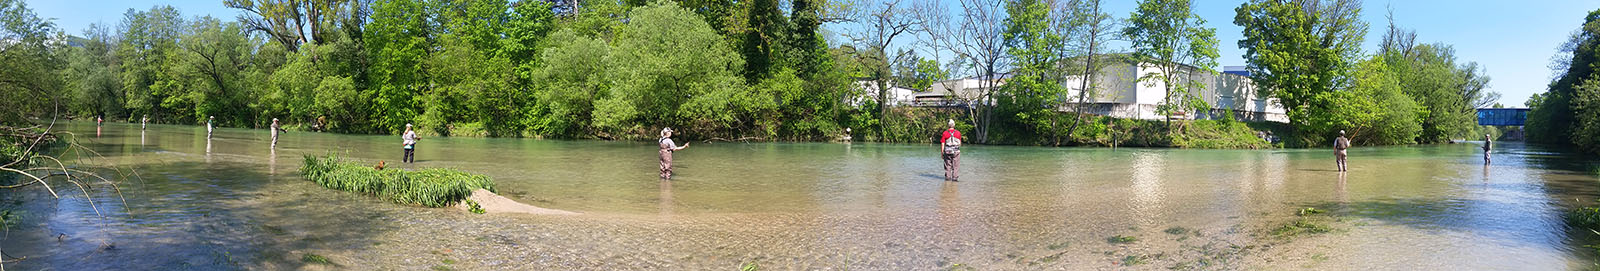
[{"x": 409, "y": 138}]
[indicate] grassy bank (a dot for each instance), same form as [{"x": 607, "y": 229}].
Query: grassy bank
[
  {"x": 434, "y": 187},
  {"x": 1101, "y": 131}
]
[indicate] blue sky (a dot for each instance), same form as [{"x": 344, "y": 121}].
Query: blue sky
[{"x": 1513, "y": 40}]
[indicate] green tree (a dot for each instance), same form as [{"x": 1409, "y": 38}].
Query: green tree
[
  {"x": 398, "y": 40},
  {"x": 669, "y": 68},
  {"x": 149, "y": 51},
  {"x": 214, "y": 59},
  {"x": 30, "y": 62},
  {"x": 92, "y": 74},
  {"x": 1296, "y": 50},
  {"x": 1374, "y": 110},
  {"x": 570, "y": 81},
  {"x": 1168, "y": 35},
  {"x": 1037, "y": 45},
  {"x": 1448, "y": 93}
]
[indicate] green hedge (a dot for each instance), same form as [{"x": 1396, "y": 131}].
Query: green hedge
[{"x": 433, "y": 187}]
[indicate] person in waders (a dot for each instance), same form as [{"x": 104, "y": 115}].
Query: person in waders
[
  {"x": 1488, "y": 144},
  {"x": 1340, "y": 145},
  {"x": 144, "y": 122},
  {"x": 667, "y": 147},
  {"x": 275, "y": 129},
  {"x": 409, "y": 141},
  {"x": 210, "y": 125},
  {"x": 950, "y": 149}
]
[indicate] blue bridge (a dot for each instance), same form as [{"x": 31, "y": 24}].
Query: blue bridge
[{"x": 1502, "y": 116}]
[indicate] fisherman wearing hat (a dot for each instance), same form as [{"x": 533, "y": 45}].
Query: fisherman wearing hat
[
  {"x": 210, "y": 125},
  {"x": 275, "y": 128},
  {"x": 1488, "y": 145},
  {"x": 950, "y": 150},
  {"x": 667, "y": 147},
  {"x": 1340, "y": 144},
  {"x": 409, "y": 140}
]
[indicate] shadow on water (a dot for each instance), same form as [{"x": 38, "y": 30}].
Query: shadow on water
[{"x": 192, "y": 215}]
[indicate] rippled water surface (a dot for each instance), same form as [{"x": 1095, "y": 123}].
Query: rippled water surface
[{"x": 233, "y": 203}]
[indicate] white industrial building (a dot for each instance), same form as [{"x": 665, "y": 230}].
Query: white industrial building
[{"x": 1120, "y": 94}]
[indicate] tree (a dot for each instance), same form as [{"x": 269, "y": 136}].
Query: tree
[
  {"x": 669, "y": 68},
  {"x": 1168, "y": 35},
  {"x": 287, "y": 21},
  {"x": 1374, "y": 110},
  {"x": 149, "y": 52},
  {"x": 398, "y": 39},
  {"x": 92, "y": 75},
  {"x": 978, "y": 40},
  {"x": 1448, "y": 93},
  {"x": 1038, "y": 47},
  {"x": 215, "y": 57},
  {"x": 570, "y": 81},
  {"x": 1097, "y": 31},
  {"x": 879, "y": 28},
  {"x": 30, "y": 59},
  {"x": 1296, "y": 50}
]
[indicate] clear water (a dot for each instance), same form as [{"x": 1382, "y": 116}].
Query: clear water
[{"x": 233, "y": 203}]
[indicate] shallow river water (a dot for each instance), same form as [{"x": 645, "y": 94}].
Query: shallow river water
[{"x": 234, "y": 203}]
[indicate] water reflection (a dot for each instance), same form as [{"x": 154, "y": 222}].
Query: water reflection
[
  {"x": 272, "y": 161},
  {"x": 666, "y": 198},
  {"x": 1147, "y": 187}
]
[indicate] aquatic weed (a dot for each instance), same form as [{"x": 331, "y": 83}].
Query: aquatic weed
[
  {"x": 1132, "y": 260},
  {"x": 1177, "y": 230},
  {"x": 1301, "y": 226},
  {"x": 433, "y": 187},
  {"x": 314, "y": 258},
  {"x": 1121, "y": 239},
  {"x": 473, "y": 207},
  {"x": 1308, "y": 211},
  {"x": 750, "y": 266}
]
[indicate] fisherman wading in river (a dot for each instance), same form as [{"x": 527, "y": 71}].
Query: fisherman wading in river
[
  {"x": 210, "y": 125},
  {"x": 275, "y": 129},
  {"x": 667, "y": 147},
  {"x": 1340, "y": 144},
  {"x": 950, "y": 149},
  {"x": 409, "y": 141},
  {"x": 1488, "y": 144}
]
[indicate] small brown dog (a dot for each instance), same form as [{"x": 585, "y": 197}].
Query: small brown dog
[{"x": 380, "y": 165}]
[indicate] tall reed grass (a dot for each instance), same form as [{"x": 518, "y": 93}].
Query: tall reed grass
[{"x": 433, "y": 187}]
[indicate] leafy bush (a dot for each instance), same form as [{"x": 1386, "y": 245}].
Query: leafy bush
[{"x": 434, "y": 187}]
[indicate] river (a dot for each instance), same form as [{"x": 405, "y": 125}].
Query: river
[{"x": 232, "y": 202}]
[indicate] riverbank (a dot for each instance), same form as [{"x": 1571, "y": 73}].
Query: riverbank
[{"x": 925, "y": 125}]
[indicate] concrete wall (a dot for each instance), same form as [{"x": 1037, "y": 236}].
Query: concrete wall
[{"x": 1120, "y": 94}]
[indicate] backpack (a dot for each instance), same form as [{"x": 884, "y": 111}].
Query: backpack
[{"x": 952, "y": 145}]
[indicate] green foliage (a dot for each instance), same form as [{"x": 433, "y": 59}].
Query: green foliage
[
  {"x": 1296, "y": 50},
  {"x": 1447, "y": 93},
  {"x": 30, "y": 58},
  {"x": 1170, "y": 36},
  {"x": 1373, "y": 111},
  {"x": 1037, "y": 42},
  {"x": 434, "y": 187},
  {"x": 472, "y": 206},
  {"x": 315, "y": 259},
  {"x": 1122, "y": 239},
  {"x": 669, "y": 68},
  {"x": 1554, "y": 118}
]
